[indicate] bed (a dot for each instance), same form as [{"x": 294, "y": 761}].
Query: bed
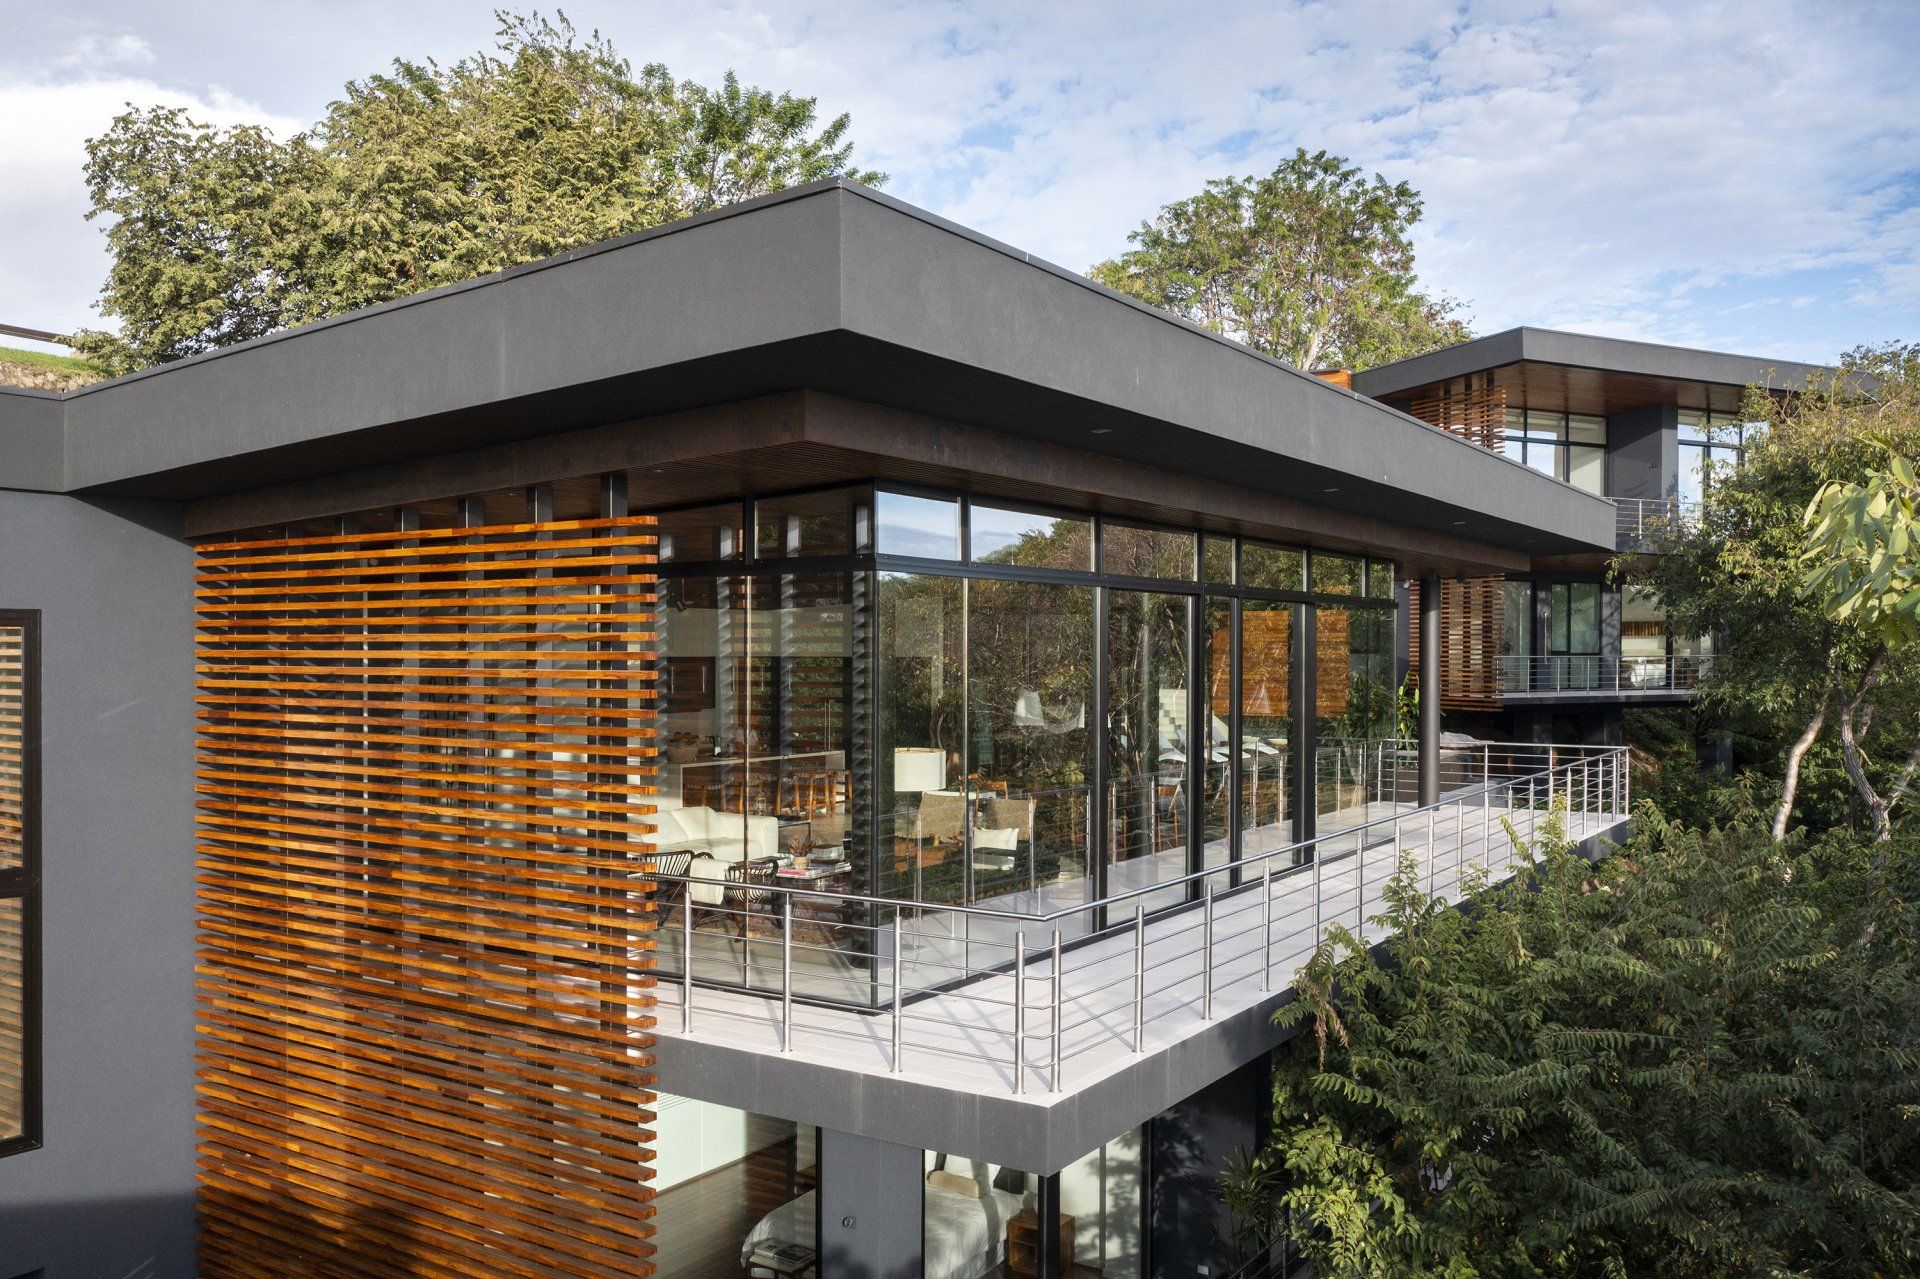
[{"x": 965, "y": 1237}]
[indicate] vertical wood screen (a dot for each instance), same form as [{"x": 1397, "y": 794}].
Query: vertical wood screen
[
  {"x": 1470, "y": 611},
  {"x": 19, "y": 884},
  {"x": 426, "y": 940}
]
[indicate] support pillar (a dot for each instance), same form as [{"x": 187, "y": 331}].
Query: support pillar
[
  {"x": 871, "y": 1204},
  {"x": 1430, "y": 689},
  {"x": 1050, "y": 1263}
]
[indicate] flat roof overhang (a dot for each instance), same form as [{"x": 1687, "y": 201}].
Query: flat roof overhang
[
  {"x": 1579, "y": 373},
  {"x": 830, "y": 288}
]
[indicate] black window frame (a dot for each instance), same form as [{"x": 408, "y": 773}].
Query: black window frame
[{"x": 23, "y": 883}]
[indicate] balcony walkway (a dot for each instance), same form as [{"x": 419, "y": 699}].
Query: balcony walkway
[{"x": 968, "y": 1037}]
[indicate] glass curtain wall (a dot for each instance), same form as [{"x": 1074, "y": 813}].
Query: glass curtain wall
[
  {"x": 1148, "y": 708},
  {"x": 944, "y": 700},
  {"x": 1573, "y": 635}
]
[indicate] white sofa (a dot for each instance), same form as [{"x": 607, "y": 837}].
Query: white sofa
[{"x": 728, "y": 836}]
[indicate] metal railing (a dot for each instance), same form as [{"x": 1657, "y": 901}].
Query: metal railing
[
  {"x": 1640, "y": 520},
  {"x": 1017, "y": 996},
  {"x": 1593, "y": 673}
]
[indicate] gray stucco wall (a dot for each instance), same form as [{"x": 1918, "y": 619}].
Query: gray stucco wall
[
  {"x": 871, "y": 1207},
  {"x": 110, "y": 1193},
  {"x": 1642, "y": 457}
]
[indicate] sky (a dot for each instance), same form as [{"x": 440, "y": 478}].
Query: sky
[{"x": 1740, "y": 176}]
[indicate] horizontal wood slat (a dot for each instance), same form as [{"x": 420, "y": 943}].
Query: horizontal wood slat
[{"x": 426, "y": 776}]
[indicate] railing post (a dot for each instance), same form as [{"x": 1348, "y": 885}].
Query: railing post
[
  {"x": 1206, "y": 949},
  {"x": 686, "y": 960},
  {"x": 1316, "y": 904},
  {"x": 1139, "y": 975},
  {"x": 786, "y": 972},
  {"x": 1059, "y": 988},
  {"x": 1266, "y": 927},
  {"x": 1020, "y": 1012},
  {"x": 1433, "y": 858},
  {"x": 896, "y": 990}
]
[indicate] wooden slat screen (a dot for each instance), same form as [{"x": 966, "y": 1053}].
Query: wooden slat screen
[
  {"x": 1470, "y": 612},
  {"x": 425, "y": 770},
  {"x": 16, "y": 885},
  {"x": 1471, "y": 634}
]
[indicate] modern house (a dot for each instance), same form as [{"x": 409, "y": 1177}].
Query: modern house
[
  {"x": 1561, "y": 651},
  {"x": 802, "y": 741}
]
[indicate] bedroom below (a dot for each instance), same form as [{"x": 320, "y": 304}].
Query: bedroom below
[{"x": 737, "y": 1195}]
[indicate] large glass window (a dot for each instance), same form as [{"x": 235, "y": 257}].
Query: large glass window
[
  {"x": 732, "y": 1188},
  {"x": 1516, "y": 635},
  {"x": 1147, "y": 735},
  {"x": 1567, "y": 446},
  {"x": 828, "y": 522},
  {"x": 928, "y": 527},
  {"x": 1353, "y": 713},
  {"x": 1134, "y": 550},
  {"x": 1263, "y": 771},
  {"x": 1029, "y": 539},
  {"x": 1029, "y": 737},
  {"x": 1573, "y": 635},
  {"x": 920, "y": 729},
  {"x": 1710, "y": 445},
  {"x": 19, "y": 881}
]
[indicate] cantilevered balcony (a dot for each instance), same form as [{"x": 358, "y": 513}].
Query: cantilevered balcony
[
  {"x": 1639, "y": 522},
  {"x": 1576, "y": 677},
  {"x": 1006, "y": 997}
]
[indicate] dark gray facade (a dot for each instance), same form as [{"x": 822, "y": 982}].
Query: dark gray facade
[
  {"x": 110, "y": 1192},
  {"x": 825, "y": 321}
]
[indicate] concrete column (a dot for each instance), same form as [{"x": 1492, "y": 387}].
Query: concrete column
[
  {"x": 1430, "y": 689},
  {"x": 871, "y": 1199}
]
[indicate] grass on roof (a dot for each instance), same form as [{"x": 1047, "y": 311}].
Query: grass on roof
[{"x": 47, "y": 360}]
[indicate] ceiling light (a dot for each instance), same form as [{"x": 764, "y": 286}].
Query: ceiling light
[{"x": 1103, "y": 430}]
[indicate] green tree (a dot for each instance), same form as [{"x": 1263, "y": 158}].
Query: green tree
[
  {"x": 1312, "y": 263},
  {"x": 1862, "y": 568},
  {"x": 1694, "y": 1059},
  {"x": 1814, "y": 691},
  {"x": 422, "y": 176}
]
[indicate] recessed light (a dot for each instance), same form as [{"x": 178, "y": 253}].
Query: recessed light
[
  {"x": 1103, "y": 430},
  {"x": 1458, "y": 523},
  {"x": 1334, "y": 489}
]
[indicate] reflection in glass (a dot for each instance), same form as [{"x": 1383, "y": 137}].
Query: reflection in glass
[
  {"x": 924, "y": 526},
  {"x": 1262, "y": 772},
  {"x": 920, "y": 738},
  {"x": 704, "y": 533},
  {"x": 1353, "y": 713},
  {"x": 1029, "y": 759},
  {"x": 1335, "y": 574},
  {"x": 1217, "y": 768},
  {"x": 833, "y": 522},
  {"x": 1516, "y": 635},
  {"x": 1134, "y": 550},
  {"x": 1147, "y": 740},
  {"x": 1003, "y": 535},
  {"x": 1216, "y": 559},
  {"x": 1272, "y": 568},
  {"x": 1380, "y": 579}
]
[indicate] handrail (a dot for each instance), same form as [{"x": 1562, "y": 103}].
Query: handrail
[
  {"x": 1159, "y": 886},
  {"x": 1025, "y": 1026}
]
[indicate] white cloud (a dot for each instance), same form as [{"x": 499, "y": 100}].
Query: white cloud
[
  {"x": 54, "y": 259},
  {"x": 92, "y": 52},
  {"x": 1669, "y": 171}
]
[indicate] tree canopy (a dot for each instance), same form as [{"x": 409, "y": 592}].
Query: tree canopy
[
  {"x": 422, "y": 176},
  {"x": 1312, "y": 263},
  {"x": 1801, "y": 565},
  {"x": 1696, "y": 1058}
]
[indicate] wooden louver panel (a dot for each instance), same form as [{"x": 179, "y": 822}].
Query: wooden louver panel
[
  {"x": 425, "y": 770},
  {"x": 1470, "y": 612},
  {"x": 14, "y": 974}
]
